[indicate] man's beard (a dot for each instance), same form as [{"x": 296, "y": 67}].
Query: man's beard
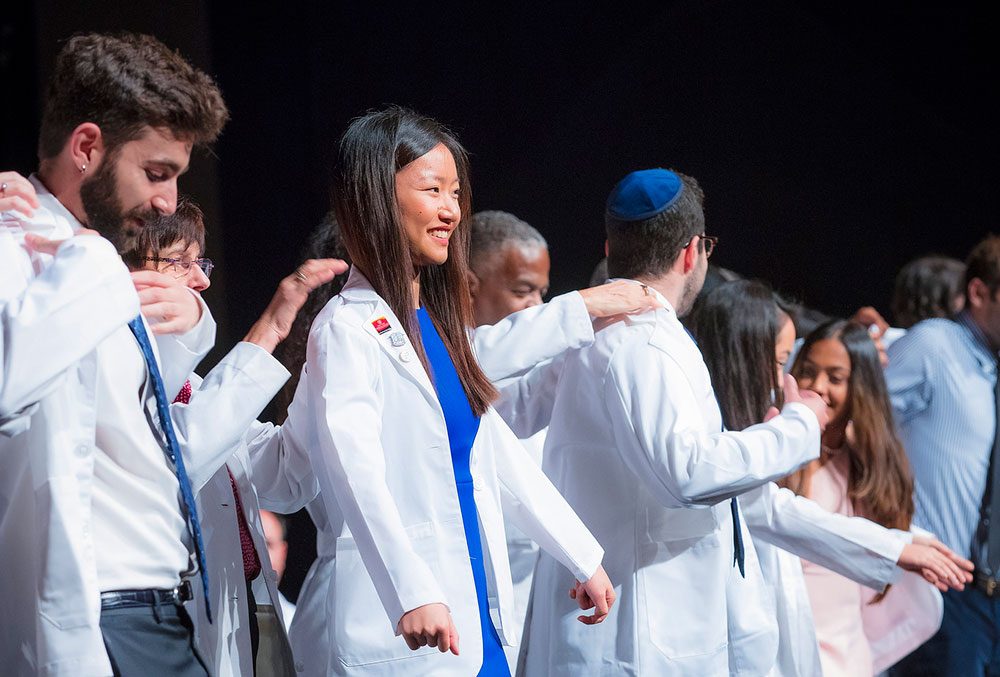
[
  {"x": 99, "y": 196},
  {"x": 692, "y": 287}
]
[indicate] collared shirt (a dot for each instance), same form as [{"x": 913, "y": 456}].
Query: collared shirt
[{"x": 941, "y": 379}]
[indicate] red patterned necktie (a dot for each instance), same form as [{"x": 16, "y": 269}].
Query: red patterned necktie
[{"x": 251, "y": 562}]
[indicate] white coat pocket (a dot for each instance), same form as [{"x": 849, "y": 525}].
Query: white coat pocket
[
  {"x": 679, "y": 576},
  {"x": 363, "y": 635}
]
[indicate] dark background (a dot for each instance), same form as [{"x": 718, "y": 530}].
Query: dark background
[{"x": 834, "y": 141}]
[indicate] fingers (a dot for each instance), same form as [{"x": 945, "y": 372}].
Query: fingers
[
  {"x": 411, "y": 641},
  {"x": 791, "y": 389},
  {"x": 18, "y": 194},
  {"x": 316, "y": 272},
  {"x": 16, "y": 203},
  {"x": 771, "y": 413},
  {"x": 453, "y": 636},
  {"x": 42, "y": 245},
  {"x": 603, "y": 606}
]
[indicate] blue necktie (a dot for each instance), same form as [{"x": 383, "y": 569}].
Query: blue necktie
[
  {"x": 174, "y": 454},
  {"x": 738, "y": 551},
  {"x": 737, "y": 538}
]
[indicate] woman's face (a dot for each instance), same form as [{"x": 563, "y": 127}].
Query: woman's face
[
  {"x": 783, "y": 346},
  {"x": 826, "y": 370},
  {"x": 427, "y": 193}
]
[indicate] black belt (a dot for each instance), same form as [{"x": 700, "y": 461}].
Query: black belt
[
  {"x": 117, "y": 598},
  {"x": 988, "y": 585}
]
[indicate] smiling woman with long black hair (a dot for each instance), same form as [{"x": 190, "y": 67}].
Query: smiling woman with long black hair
[{"x": 413, "y": 463}]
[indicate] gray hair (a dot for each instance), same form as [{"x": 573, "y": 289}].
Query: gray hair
[{"x": 493, "y": 231}]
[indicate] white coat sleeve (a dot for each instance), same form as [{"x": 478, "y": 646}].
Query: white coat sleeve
[
  {"x": 60, "y": 316},
  {"x": 223, "y": 406},
  {"x": 521, "y": 340},
  {"x": 853, "y": 547},
  {"x": 661, "y": 435},
  {"x": 180, "y": 353},
  {"x": 344, "y": 385},
  {"x": 526, "y": 401},
  {"x": 279, "y": 460},
  {"x": 539, "y": 510}
]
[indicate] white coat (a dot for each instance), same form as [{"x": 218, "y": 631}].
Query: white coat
[
  {"x": 786, "y": 527},
  {"x": 635, "y": 446},
  {"x": 50, "y": 625},
  {"x": 217, "y": 427},
  {"x": 380, "y": 450},
  {"x": 509, "y": 348}
]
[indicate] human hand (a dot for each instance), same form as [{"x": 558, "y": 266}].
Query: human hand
[
  {"x": 274, "y": 324},
  {"x": 595, "y": 592},
  {"x": 938, "y": 565},
  {"x": 808, "y": 398},
  {"x": 429, "y": 625},
  {"x": 877, "y": 327},
  {"x": 16, "y": 192},
  {"x": 169, "y": 306},
  {"x": 618, "y": 298},
  {"x": 44, "y": 245},
  {"x": 872, "y": 319}
]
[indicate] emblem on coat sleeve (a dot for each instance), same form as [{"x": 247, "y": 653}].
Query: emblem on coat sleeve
[
  {"x": 397, "y": 339},
  {"x": 381, "y": 325}
]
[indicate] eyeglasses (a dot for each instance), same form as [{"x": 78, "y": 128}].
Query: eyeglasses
[
  {"x": 708, "y": 242},
  {"x": 180, "y": 267}
]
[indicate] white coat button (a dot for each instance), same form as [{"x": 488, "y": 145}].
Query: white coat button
[
  {"x": 406, "y": 356},
  {"x": 81, "y": 451},
  {"x": 479, "y": 483}
]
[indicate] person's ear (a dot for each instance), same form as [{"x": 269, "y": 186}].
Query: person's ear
[
  {"x": 86, "y": 146},
  {"x": 691, "y": 254},
  {"x": 979, "y": 293},
  {"x": 473, "y": 283}
]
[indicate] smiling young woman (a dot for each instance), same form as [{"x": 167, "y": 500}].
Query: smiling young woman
[{"x": 414, "y": 465}]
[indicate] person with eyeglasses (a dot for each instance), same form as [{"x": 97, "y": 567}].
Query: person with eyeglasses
[
  {"x": 172, "y": 245},
  {"x": 237, "y": 465},
  {"x": 637, "y": 446}
]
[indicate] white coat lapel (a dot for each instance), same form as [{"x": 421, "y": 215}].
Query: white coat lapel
[{"x": 388, "y": 332}]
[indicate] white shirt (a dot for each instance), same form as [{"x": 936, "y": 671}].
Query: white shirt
[
  {"x": 287, "y": 611},
  {"x": 140, "y": 536}
]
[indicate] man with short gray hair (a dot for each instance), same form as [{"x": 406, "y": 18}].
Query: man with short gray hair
[{"x": 509, "y": 266}]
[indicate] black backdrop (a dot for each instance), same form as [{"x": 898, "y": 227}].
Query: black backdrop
[{"x": 834, "y": 141}]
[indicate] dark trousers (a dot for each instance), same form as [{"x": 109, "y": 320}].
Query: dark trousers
[
  {"x": 151, "y": 640},
  {"x": 967, "y": 645}
]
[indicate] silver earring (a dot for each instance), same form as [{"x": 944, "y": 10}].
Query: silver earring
[{"x": 83, "y": 167}]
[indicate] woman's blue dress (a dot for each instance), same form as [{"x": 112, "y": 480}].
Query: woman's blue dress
[{"x": 462, "y": 428}]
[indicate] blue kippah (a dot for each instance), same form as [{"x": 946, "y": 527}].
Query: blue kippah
[{"x": 643, "y": 194}]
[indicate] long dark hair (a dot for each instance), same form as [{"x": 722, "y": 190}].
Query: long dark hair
[
  {"x": 373, "y": 149},
  {"x": 736, "y": 326},
  {"x": 880, "y": 483}
]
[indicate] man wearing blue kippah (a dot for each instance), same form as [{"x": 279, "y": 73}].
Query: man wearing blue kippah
[{"x": 636, "y": 446}]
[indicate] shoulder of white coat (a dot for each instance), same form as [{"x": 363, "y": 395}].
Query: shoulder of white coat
[
  {"x": 649, "y": 347},
  {"x": 344, "y": 311}
]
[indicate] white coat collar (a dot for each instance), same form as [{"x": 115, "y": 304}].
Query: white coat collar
[
  {"x": 359, "y": 289},
  {"x": 62, "y": 224}
]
